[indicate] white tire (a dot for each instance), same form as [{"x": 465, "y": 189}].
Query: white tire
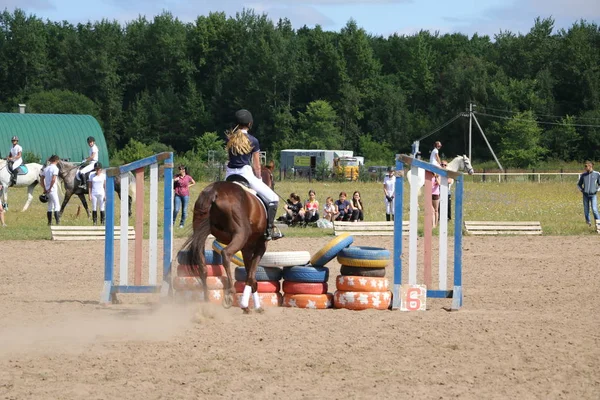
[{"x": 284, "y": 258}]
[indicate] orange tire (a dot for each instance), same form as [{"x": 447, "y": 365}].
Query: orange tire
[
  {"x": 314, "y": 301},
  {"x": 290, "y": 287},
  {"x": 214, "y": 296},
  {"x": 361, "y": 284},
  {"x": 262, "y": 286},
  {"x": 194, "y": 283},
  {"x": 266, "y": 299},
  {"x": 362, "y": 300},
  {"x": 211, "y": 270}
]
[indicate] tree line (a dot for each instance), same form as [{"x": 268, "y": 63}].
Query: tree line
[{"x": 163, "y": 82}]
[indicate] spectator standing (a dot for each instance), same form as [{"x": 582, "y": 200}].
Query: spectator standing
[
  {"x": 182, "y": 183},
  {"x": 435, "y": 198},
  {"x": 329, "y": 211},
  {"x": 97, "y": 193},
  {"x": 2, "y": 212},
  {"x": 343, "y": 208},
  {"x": 589, "y": 184},
  {"x": 357, "y": 208},
  {"x": 450, "y": 182},
  {"x": 389, "y": 189},
  {"x": 311, "y": 208},
  {"x": 435, "y": 154},
  {"x": 49, "y": 181}
]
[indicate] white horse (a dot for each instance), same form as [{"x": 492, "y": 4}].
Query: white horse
[
  {"x": 30, "y": 180},
  {"x": 459, "y": 163}
]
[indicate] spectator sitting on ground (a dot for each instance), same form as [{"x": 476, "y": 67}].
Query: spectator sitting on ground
[
  {"x": 311, "y": 208},
  {"x": 357, "y": 208},
  {"x": 294, "y": 212},
  {"x": 344, "y": 208},
  {"x": 329, "y": 211}
]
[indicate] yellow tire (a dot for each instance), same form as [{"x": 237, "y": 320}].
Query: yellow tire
[
  {"x": 331, "y": 249},
  {"x": 357, "y": 262}
]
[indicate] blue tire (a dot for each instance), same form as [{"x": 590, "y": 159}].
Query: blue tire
[
  {"x": 262, "y": 274},
  {"x": 365, "y": 253},
  {"x": 331, "y": 249},
  {"x": 211, "y": 257},
  {"x": 306, "y": 273}
]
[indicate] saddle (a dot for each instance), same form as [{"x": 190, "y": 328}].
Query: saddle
[
  {"x": 21, "y": 170},
  {"x": 243, "y": 182}
]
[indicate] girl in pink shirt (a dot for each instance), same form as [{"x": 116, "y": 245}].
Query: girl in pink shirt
[
  {"x": 435, "y": 198},
  {"x": 183, "y": 182}
]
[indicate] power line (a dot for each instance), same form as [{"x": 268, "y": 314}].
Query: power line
[
  {"x": 439, "y": 128},
  {"x": 530, "y": 120},
  {"x": 540, "y": 115}
]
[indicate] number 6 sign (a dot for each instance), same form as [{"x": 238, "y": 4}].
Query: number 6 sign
[{"x": 413, "y": 298}]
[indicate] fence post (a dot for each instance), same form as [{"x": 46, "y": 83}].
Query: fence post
[{"x": 483, "y": 176}]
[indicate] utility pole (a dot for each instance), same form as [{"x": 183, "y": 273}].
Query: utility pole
[{"x": 470, "y": 126}]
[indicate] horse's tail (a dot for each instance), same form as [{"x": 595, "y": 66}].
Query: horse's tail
[
  {"x": 132, "y": 182},
  {"x": 195, "y": 244}
]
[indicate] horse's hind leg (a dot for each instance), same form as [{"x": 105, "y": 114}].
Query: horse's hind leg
[
  {"x": 29, "y": 196},
  {"x": 237, "y": 241},
  {"x": 85, "y": 205},
  {"x": 254, "y": 255}
]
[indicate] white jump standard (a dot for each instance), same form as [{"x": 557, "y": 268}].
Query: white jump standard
[
  {"x": 110, "y": 289},
  {"x": 442, "y": 291}
]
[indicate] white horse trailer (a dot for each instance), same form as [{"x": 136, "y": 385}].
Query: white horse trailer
[{"x": 303, "y": 160}]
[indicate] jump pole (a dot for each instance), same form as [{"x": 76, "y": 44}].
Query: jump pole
[
  {"x": 111, "y": 289},
  {"x": 442, "y": 291}
]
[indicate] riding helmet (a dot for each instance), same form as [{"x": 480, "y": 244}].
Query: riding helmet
[
  {"x": 43, "y": 198},
  {"x": 15, "y": 138},
  {"x": 98, "y": 165},
  {"x": 243, "y": 117},
  {"x": 91, "y": 139}
]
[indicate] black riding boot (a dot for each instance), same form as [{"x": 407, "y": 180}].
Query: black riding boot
[
  {"x": 57, "y": 217},
  {"x": 95, "y": 217},
  {"x": 83, "y": 182},
  {"x": 388, "y": 217},
  {"x": 13, "y": 178},
  {"x": 102, "y": 217},
  {"x": 272, "y": 233},
  {"x": 49, "y": 216}
]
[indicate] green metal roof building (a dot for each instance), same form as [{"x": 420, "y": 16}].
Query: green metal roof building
[{"x": 47, "y": 134}]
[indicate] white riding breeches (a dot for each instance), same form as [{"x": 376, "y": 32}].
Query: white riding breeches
[
  {"x": 390, "y": 206},
  {"x": 53, "y": 201},
  {"x": 87, "y": 168},
  {"x": 255, "y": 183},
  {"x": 17, "y": 164},
  {"x": 98, "y": 201}
]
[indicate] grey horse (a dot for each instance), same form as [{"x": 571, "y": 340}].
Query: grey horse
[{"x": 67, "y": 172}]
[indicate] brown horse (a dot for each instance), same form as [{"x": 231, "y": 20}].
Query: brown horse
[
  {"x": 237, "y": 218},
  {"x": 266, "y": 173}
]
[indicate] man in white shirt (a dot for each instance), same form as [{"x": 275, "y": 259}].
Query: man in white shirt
[
  {"x": 49, "y": 181},
  {"x": 435, "y": 154},
  {"x": 97, "y": 193},
  {"x": 15, "y": 160},
  {"x": 91, "y": 161}
]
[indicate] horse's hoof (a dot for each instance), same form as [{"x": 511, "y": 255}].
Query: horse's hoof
[
  {"x": 227, "y": 301},
  {"x": 260, "y": 310},
  {"x": 247, "y": 311}
]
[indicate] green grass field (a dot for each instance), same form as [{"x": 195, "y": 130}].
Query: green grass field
[{"x": 557, "y": 205}]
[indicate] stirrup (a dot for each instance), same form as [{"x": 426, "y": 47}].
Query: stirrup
[{"x": 274, "y": 233}]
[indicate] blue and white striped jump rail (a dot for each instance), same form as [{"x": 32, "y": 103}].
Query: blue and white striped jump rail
[
  {"x": 110, "y": 288},
  {"x": 456, "y": 293}
]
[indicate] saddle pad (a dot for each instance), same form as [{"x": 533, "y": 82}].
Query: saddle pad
[
  {"x": 246, "y": 188},
  {"x": 23, "y": 170}
]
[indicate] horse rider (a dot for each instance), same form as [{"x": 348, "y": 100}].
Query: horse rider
[
  {"x": 87, "y": 165},
  {"x": 14, "y": 160},
  {"x": 243, "y": 150}
]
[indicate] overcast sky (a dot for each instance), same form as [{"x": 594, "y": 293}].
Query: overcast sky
[{"x": 380, "y": 17}]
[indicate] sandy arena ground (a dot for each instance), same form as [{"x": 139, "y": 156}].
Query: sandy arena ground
[{"x": 529, "y": 328}]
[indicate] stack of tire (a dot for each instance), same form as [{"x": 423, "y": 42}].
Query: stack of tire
[
  {"x": 187, "y": 283},
  {"x": 362, "y": 283},
  {"x": 268, "y": 274},
  {"x": 305, "y": 286}
]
